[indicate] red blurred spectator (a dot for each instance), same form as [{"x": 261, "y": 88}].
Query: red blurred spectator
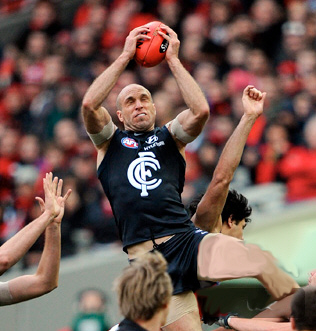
[
  {"x": 83, "y": 14},
  {"x": 11, "y": 6},
  {"x": 44, "y": 18},
  {"x": 276, "y": 146},
  {"x": 297, "y": 168}
]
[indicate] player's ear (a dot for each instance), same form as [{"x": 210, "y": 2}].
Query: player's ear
[
  {"x": 230, "y": 221},
  {"x": 119, "y": 115}
]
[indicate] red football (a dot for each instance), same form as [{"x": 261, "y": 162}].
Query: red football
[{"x": 151, "y": 52}]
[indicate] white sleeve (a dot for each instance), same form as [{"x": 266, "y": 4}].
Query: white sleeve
[{"x": 5, "y": 294}]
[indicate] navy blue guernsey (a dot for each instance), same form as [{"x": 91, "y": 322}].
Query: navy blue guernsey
[{"x": 142, "y": 175}]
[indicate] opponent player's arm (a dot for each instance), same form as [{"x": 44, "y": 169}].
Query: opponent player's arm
[
  {"x": 207, "y": 216},
  {"x": 254, "y": 324},
  {"x": 17, "y": 246},
  {"x": 46, "y": 277},
  {"x": 188, "y": 124}
]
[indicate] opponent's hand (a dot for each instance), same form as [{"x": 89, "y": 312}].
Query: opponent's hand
[
  {"x": 131, "y": 40},
  {"x": 174, "y": 42},
  {"x": 50, "y": 204},
  {"x": 253, "y": 101},
  {"x": 54, "y": 203},
  {"x": 61, "y": 200}
]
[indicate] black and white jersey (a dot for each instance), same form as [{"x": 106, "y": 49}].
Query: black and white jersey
[{"x": 142, "y": 175}]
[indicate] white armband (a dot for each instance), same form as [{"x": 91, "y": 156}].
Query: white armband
[
  {"x": 5, "y": 294},
  {"x": 177, "y": 130},
  {"x": 106, "y": 134}
]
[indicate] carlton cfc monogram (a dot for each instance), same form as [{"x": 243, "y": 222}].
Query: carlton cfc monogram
[{"x": 139, "y": 174}]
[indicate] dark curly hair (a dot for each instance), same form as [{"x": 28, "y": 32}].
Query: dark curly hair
[{"x": 236, "y": 205}]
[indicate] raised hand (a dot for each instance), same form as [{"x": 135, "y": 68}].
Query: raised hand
[
  {"x": 61, "y": 200},
  {"x": 131, "y": 40},
  {"x": 174, "y": 42},
  {"x": 253, "y": 101},
  {"x": 54, "y": 203}
]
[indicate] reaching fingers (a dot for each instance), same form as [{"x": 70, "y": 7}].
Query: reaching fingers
[
  {"x": 168, "y": 30},
  {"x": 66, "y": 196},
  {"x": 254, "y": 93},
  {"x": 54, "y": 185},
  {"x": 140, "y": 32},
  {"x": 41, "y": 203},
  {"x": 59, "y": 187}
]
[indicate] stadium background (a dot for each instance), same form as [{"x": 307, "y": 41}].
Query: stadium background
[{"x": 285, "y": 228}]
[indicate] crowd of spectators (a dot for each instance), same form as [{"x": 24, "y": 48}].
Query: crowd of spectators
[{"x": 225, "y": 45}]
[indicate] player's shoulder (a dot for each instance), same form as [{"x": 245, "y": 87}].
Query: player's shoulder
[{"x": 115, "y": 328}]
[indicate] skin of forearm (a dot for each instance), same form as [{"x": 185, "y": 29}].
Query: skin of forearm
[
  {"x": 16, "y": 247},
  {"x": 48, "y": 268},
  {"x": 191, "y": 92},
  {"x": 232, "y": 152},
  {"x": 46, "y": 277},
  {"x": 256, "y": 324},
  {"x": 103, "y": 84}
]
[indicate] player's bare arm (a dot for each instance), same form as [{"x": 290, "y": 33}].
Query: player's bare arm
[
  {"x": 95, "y": 116},
  {"x": 16, "y": 247},
  {"x": 46, "y": 277},
  {"x": 193, "y": 119},
  {"x": 208, "y": 212}
]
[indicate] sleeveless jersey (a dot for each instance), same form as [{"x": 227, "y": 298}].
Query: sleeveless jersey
[{"x": 142, "y": 175}]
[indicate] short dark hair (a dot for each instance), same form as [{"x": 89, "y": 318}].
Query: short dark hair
[
  {"x": 236, "y": 205},
  {"x": 303, "y": 308}
]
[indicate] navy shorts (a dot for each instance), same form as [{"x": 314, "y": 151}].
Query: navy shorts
[{"x": 181, "y": 254}]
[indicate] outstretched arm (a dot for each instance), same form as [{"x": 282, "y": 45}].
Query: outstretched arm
[
  {"x": 211, "y": 206},
  {"x": 46, "y": 277},
  {"x": 16, "y": 247},
  {"x": 193, "y": 119},
  {"x": 254, "y": 324}
]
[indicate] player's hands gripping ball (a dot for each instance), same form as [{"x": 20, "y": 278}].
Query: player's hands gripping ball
[{"x": 150, "y": 52}]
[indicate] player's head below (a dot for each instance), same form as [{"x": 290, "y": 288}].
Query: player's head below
[
  {"x": 303, "y": 307},
  {"x": 144, "y": 289},
  {"x": 235, "y": 214},
  {"x": 135, "y": 108}
]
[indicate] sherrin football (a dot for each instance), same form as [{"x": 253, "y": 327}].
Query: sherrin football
[{"x": 150, "y": 52}]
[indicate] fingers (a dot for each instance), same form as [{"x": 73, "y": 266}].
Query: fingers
[
  {"x": 59, "y": 187},
  {"x": 254, "y": 93},
  {"x": 41, "y": 203},
  {"x": 66, "y": 196},
  {"x": 168, "y": 34},
  {"x": 168, "y": 30},
  {"x": 140, "y": 32},
  {"x": 51, "y": 185},
  {"x": 54, "y": 185}
]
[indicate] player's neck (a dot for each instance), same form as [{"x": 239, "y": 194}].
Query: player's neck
[{"x": 154, "y": 324}]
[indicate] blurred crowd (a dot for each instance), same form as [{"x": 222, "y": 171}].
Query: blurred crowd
[{"x": 225, "y": 45}]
